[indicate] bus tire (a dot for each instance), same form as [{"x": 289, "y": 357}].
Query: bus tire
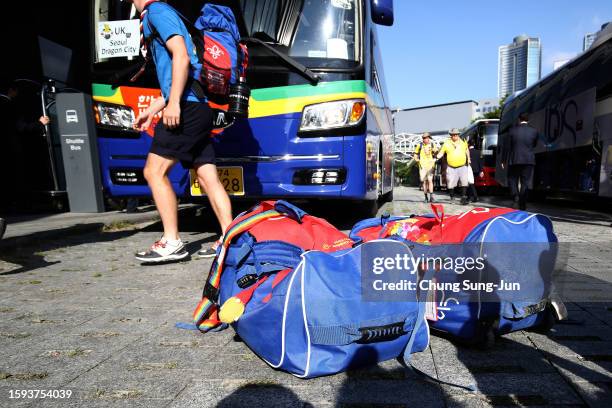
[
  {"x": 387, "y": 198},
  {"x": 367, "y": 208}
]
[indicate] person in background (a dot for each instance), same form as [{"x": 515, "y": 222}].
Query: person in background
[
  {"x": 475, "y": 170},
  {"x": 458, "y": 161},
  {"x": 183, "y": 134},
  {"x": 424, "y": 155},
  {"x": 23, "y": 127},
  {"x": 519, "y": 158}
]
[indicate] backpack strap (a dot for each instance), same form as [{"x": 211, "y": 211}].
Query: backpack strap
[
  {"x": 193, "y": 84},
  {"x": 406, "y": 357},
  {"x": 205, "y": 315}
]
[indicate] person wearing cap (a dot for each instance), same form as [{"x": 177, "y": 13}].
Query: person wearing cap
[
  {"x": 458, "y": 161},
  {"x": 424, "y": 156}
]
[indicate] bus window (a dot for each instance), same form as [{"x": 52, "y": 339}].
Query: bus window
[
  {"x": 326, "y": 30},
  {"x": 489, "y": 144}
]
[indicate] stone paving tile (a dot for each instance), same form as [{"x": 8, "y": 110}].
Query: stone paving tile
[
  {"x": 542, "y": 388},
  {"x": 117, "y": 400},
  {"x": 596, "y": 394},
  {"x": 583, "y": 347},
  {"x": 256, "y": 393},
  {"x": 103, "y": 325},
  {"x": 157, "y": 380}
]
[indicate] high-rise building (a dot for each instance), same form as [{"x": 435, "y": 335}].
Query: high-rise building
[
  {"x": 519, "y": 65},
  {"x": 588, "y": 40}
]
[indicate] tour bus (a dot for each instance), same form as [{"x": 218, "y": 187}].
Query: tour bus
[
  {"x": 320, "y": 132},
  {"x": 483, "y": 133},
  {"x": 572, "y": 110}
]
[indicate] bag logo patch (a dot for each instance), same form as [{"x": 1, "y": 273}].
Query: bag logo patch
[{"x": 215, "y": 51}]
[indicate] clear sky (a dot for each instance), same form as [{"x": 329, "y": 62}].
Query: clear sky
[{"x": 442, "y": 51}]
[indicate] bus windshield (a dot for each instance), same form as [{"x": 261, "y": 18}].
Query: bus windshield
[
  {"x": 308, "y": 28},
  {"x": 314, "y": 31}
]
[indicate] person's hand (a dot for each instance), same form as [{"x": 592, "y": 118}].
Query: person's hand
[
  {"x": 503, "y": 166},
  {"x": 44, "y": 120},
  {"x": 481, "y": 174},
  {"x": 172, "y": 115},
  {"x": 143, "y": 121}
]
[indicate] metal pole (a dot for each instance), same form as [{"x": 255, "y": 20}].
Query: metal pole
[{"x": 47, "y": 136}]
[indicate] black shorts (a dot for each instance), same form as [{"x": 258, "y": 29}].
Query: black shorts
[{"x": 189, "y": 143}]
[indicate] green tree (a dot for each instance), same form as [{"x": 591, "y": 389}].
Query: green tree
[{"x": 402, "y": 170}]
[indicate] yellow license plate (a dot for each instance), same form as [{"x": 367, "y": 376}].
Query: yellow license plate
[{"x": 231, "y": 178}]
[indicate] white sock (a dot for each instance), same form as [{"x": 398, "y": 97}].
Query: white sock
[{"x": 173, "y": 242}]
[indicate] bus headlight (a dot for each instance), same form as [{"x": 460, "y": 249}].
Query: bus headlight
[
  {"x": 332, "y": 115},
  {"x": 117, "y": 116}
]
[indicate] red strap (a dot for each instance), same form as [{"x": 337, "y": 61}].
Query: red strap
[{"x": 438, "y": 210}]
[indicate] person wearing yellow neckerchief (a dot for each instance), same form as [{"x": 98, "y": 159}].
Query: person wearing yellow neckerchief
[
  {"x": 458, "y": 160},
  {"x": 424, "y": 156}
]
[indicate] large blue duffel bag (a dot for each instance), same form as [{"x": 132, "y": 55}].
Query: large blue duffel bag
[
  {"x": 290, "y": 285},
  {"x": 517, "y": 247}
]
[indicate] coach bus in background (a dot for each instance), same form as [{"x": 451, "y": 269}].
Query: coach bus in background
[
  {"x": 483, "y": 133},
  {"x": 572, "y": 110},
  {"x": 321, "y": 132}
]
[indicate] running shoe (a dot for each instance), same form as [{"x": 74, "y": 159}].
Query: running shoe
[
  {"x": 163, "y": 251},
  {"x": 209, "y": 252}
]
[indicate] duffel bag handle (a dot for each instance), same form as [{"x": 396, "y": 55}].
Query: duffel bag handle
[
  {"x": 290, "y": 210},
  {"x": 381, "y": 333},
  {"x": 438, "y": 211}
]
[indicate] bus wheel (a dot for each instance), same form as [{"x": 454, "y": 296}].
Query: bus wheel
[
  {"x": 387, "y": 198},
  {"x": 366, "y": 209}
]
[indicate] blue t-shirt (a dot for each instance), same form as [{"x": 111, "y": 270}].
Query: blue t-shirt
[{"x": 163, "y": 19}]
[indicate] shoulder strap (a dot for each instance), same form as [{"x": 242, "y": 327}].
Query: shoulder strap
[{"x": 205, "y": 315}]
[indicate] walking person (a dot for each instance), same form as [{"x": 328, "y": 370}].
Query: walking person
[
  {"x": 424, "y": 155},
  {"x": 183, "y": 134},
  {"x": 458, "y": 161},
  {"x": 519, "y": 158},
  {"x": 475, "y": 170}
]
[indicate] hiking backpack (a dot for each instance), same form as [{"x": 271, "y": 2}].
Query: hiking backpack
[
  {"x": 290, "y": 285},
  {"x": 224, "y": 58}
]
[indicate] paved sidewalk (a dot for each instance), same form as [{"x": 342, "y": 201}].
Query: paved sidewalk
[{"x": 79, "y": 313}]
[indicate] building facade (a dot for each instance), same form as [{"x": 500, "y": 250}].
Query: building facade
[
  {"x": 435, "y": 119},
  {"x": 484, "y": 106},
  {"x": 519, "y": 65}
]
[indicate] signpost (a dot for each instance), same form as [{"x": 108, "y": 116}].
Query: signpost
[{"x": 80, "y": 152}]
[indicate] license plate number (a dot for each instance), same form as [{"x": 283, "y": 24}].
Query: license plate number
[{"x": 231, "y": 178}]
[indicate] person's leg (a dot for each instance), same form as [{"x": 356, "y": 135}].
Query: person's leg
[
  {"x": 513, "y": 182},
  {"x": 451, "y": 181},
  {"x": 156, "y": 173},
  {"x": 525, "y": 177},
  {"x": 463, "y": 180},
  {"x": 429, "y": 182},
  {"x": 169, "y": 247},
  {"x": 472, "y": 195},
  {"x": 219, "y": 200},
  {"x": 423, "y": 179}
]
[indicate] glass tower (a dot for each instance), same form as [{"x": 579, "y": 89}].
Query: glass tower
[{"x": 519, "y": 65}]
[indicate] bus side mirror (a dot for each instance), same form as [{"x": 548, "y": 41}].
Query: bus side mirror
[{"x": 382, "y": 12}]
